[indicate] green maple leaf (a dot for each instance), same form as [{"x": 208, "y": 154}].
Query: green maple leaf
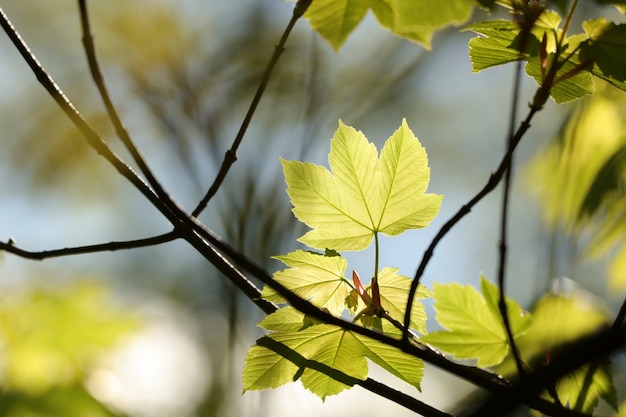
[
  {"x": 473, "y": 324},
  {"x": 328, "y": 345},
  {"x": 314, "y": 277},
  {"x": 363, "y": 195},
  {"x": 415, "y": 20}
]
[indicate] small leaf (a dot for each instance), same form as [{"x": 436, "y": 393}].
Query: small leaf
[
  {"x": 474, "y": 328},
  {"x": 314, "y": 277},
  {"x": 500, "y": 44},
  {"x": 362, "y": 196}
]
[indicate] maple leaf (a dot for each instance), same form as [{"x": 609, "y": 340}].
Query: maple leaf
[
  {"x": 474, "y": 328},
  {"x": 363, "y": 195},
  {"x": 328, "y": 345},
  {"x": 314, "y": 277}
]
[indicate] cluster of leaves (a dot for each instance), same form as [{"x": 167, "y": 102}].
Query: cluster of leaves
[{"x": 347, "y": 209}]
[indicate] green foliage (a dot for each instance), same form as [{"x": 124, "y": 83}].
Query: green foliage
[
  {"x": 473, "y": 324},
  {"x": 558, "y": 319},
  {"x": 347, "y": 208},
  {"x": 600, "y": 50},
  {"x": 363, "y": 195},
  {"x": 416, "y": 20},
  {"x": 50, "y": 340},
  {"x": 580, "y": 178}
]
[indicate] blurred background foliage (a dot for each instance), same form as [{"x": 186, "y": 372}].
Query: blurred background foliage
[
  {"x": 581, "y": 179},
  {"x": 52, "y": 339},
  {"x": 182, "y": 74}
]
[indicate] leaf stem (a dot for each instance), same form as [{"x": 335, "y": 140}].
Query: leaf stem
[{"x": 376, "y": 255}]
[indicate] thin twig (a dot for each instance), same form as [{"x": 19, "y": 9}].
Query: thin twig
[
  {"x": 120, "y": 130},
  {"x": 504, "y": 214},
  {"x": 231, "y": 155},
  {"x": 11, "y": 247},
  {"x": 189, "y": 227},
  {"x": 491, "y": 184}
]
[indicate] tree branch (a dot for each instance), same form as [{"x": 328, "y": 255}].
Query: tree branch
[
  {"x": 120, "y": 130},
  {"x": 491, "y": 184},
  {"x": 231, "y": 155},
  {"x": 10, "y": 247}
]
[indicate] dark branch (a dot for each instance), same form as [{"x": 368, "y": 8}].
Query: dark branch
[
  {"x": 10, "y": 247},
  {"x": 187, "y": 226},
  {"x": 98, "y": 79},
  {"x": 231, "y": 154},
  {"x": 493, "y": 181}
]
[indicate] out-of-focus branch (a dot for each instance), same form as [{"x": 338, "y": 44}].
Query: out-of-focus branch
[{"x": 231, "y": 155}]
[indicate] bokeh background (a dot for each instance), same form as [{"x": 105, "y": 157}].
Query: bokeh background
[{"x": 157, "y": 331}]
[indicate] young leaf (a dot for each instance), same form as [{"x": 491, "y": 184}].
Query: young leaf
[
  {"x": 415, "y": 20},
  {"x": 474, "y": 328},
  {"x": 578, "y": 85},
  {"x": 362, "y": 196},
  {"x": 499, "y": 41},
  {"x": 313, "y": 276}
]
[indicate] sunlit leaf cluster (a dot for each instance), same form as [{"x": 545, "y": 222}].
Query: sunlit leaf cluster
[{"x": 347, "y": 207}]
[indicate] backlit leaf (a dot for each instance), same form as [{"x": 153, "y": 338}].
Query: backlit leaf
[
  {"x": 472, "y": 322},
  {"x": 332, "y": 346},
  {"x": 362, "y": 196},
  {"x": 315, "y": 277}
]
